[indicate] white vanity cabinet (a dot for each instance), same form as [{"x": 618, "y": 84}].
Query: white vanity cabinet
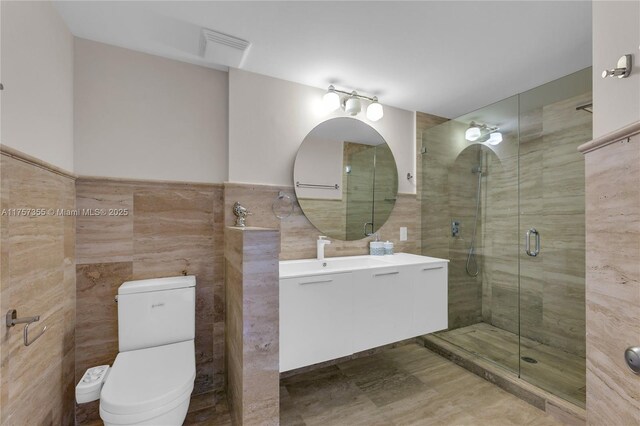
[
  {"x": 429, "y": 298},
  {"x": 340, "y": 306},
  {"x": 381, "y": 307},
  {"x": 315, "y": 319}
]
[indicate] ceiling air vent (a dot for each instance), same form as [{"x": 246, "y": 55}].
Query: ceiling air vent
[{"x": 223, "y": 49}]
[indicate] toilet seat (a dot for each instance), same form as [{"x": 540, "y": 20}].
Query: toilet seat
[{"x": 146, "y": 383}]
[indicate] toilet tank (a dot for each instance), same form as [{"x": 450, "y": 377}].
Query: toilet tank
[{"x": 156, "y": 312}]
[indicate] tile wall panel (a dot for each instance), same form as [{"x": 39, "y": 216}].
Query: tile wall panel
[
  {"x": 37, "y": 278},
  {"x": 171, "y": 229}
]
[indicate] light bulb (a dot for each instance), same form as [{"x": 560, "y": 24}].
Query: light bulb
[
  {"x": 495, "y": 138},
  {"x": 331, "y": 100},
  {"x": 374, "y": 110},
  {"x": 473, "y": 133},
  {"x": 352, "y": 106}
]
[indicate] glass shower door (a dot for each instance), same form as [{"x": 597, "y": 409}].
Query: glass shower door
[
  {"x": 470, "y": 216},
  {"x": 509, "y": 214},
  {"x": 510, "y": 217},
  {"x": 552, "y": 257}
]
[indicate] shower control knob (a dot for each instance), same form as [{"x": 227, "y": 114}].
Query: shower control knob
[
  {"x": 455, "y": 228},
  {"x": 632, "y": 357}
]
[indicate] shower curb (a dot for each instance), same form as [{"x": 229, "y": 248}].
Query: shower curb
[{"x": 563, "y": 411}]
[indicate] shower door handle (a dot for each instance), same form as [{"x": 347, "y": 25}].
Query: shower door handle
[{"x": 527, "y": 242}]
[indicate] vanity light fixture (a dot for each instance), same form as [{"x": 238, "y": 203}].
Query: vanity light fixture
[
  {"x": 478, "y": 132},
  {"x": 374, "y": 110},
  {"x": 494, "y": 138},
  {"x": 331, "y": 100},
  {"x": 473, "y": 133},
  {"x": 352, "y": 103}
]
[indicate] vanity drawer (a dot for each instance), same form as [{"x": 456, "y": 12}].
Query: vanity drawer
[
  {"x": 429, "y": 298},
  {"x": 382, "y": 307},
  {"x": 315, "y": 319}
]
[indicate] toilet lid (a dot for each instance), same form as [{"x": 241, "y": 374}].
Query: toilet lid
[{"x": 146, "y": 379}]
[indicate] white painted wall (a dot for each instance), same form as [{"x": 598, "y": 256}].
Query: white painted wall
[
  {"x": 269, "y": 118},
  {"x": 146, "y": 117},
  {"x": 37, "y": 74},
  {"x": 616, "y": 31}
]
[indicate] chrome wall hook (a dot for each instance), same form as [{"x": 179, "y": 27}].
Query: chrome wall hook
[
  {"x": 12, "y": 319},
  {"x": 622, "y": 69}
]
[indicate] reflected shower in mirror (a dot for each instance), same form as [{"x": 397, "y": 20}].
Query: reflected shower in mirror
[{"x": 346, "y": 179}]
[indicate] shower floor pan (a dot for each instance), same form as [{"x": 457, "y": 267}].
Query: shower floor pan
[{"x": 493, "y": 354}]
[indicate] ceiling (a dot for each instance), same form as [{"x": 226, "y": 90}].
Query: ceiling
[{"x": 441, "y": 57}]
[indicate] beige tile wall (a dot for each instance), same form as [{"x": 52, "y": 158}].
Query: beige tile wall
[
  {"x": 613, "y": 277},
  {"x": 171, "y": 229},
  {"x": 252, "y": 306},
  {"x": 37, "y": 278},
  {"x": 298, "y": 236}
]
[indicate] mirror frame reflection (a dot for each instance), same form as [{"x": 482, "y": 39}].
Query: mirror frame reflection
[{"x": 346, "y": 179}]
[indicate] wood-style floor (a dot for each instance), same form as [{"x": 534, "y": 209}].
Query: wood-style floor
[
  {"x": 556, "y": 371},
  {"x": 408, "y": 385}
]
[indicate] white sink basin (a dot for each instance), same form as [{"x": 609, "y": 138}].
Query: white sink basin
[
  {"x": 306, "y": 267},
  {"x": 290, "y": 268}
]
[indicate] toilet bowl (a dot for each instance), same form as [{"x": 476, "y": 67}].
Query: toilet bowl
[
  {"x": 151, "y": 380},
  {"x": 149, "y": 386}
]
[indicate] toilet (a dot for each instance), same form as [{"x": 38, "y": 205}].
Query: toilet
[{"x": 152, "y": 377}]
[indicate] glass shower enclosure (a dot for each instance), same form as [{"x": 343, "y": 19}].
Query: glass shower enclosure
[{"x": 502, "y": 197}]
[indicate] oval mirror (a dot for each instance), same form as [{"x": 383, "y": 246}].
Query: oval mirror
[{"x": 346, "y": 179}]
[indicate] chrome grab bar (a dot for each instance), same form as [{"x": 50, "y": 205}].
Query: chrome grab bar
[
  {"x": 527, "y": 242},
  {"x": 12, "y": 319}
]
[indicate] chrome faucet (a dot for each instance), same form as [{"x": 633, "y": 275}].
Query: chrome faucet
[{"x": 320, "y": 243}]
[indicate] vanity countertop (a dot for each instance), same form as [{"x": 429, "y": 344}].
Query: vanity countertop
[{"x": 334, "y": 265}]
